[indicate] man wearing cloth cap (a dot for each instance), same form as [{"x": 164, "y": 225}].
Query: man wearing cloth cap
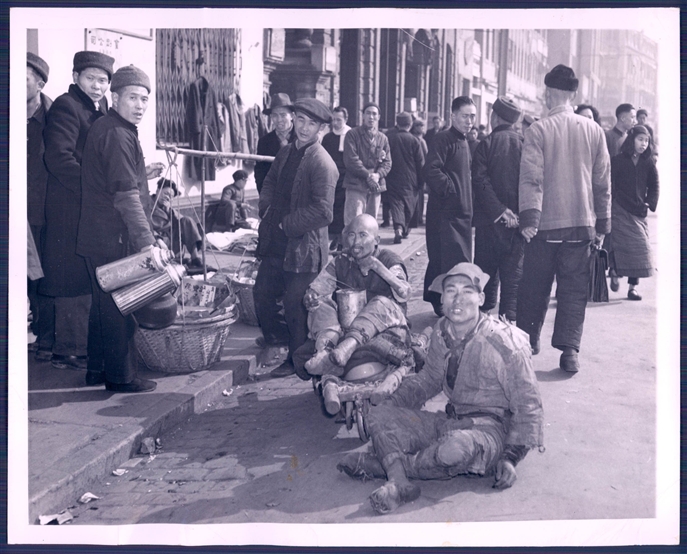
[
  {"x": 494, "y": 411},
  {"x": 66, "y": 277},
  {"x": 115, "y": 222},
  {"x": 368, "y": 161},
  {"x": 37, "y": 106},
  {"x": 405, "y": 177},
  {"x": 499, "y": 246},
  {"x": 296, "y": 206},
  {"x": 281, "y": 117},
  {"x": 565, "y": 209}
]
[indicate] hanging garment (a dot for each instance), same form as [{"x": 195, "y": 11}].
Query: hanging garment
[{"x": 201, "y": 109}]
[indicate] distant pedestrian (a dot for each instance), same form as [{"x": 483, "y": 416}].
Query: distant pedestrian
[
  {"x": 405, "y": 177},
  {"x": 37, "y": 106},
  {"x": 437, "y": 126},
  {"x": 565, "y": 197},
  {"x": 296, "y": 207},
  {"x": 449, "y": 207},
  {"x": 481, "y": 132},
  {"x": 499, "y": 246},
  {"x": 588, "y": 111},
  {"x": 472, "y": 140},
  {"x": 280, "y": 113},
  {"x": 635, "y": 187},
  {"x": 333, "y": 143},
  {"x": 367, "y": 161},
  {"x": 642, "y": 116},
  {"x": 418, "y": 130},
  {"x": 626, "y": 119}
]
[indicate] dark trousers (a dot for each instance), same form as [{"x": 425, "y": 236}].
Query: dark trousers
[
  {"x": 401, "y": 209},
  {"x": 500, "y": 252},
  {"x": 42, "y": 307},
  {"x": 418, "y": 214},
  {"x": 273, "y": 284},
  {"x": 568, "y": 262},
  {"x": 110, "y": 334}
]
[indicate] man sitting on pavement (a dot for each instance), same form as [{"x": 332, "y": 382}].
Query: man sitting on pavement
[
  {"x": 232, "y": 211},
  {"x": 380, "y": 329},
  {"x": 494, "y": 414}
]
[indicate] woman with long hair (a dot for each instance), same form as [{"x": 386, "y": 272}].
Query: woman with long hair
[{"x": 634, "y": 182}]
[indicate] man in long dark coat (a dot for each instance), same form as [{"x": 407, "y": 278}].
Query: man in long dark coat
[
  {"x": 115, "y": 222},
  {"x": 66, "y": 277},
  {"x": 449, "y": 207},
  {"x": 405, "y": 177}
]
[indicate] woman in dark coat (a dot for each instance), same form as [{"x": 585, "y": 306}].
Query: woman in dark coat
[{"x": 634, "y": 182}]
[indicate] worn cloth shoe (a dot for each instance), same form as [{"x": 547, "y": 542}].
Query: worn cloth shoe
[
  {"x": 569, "y": 361},
  {"x": 137, "y": 385},
  {"x": 284, "y": 370},
  {"x": 363, "y": 466}
]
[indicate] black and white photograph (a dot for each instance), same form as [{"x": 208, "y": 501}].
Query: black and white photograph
[{"x": 416, "y": 268}]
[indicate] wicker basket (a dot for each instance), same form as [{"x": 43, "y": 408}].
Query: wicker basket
[
  {"x": 185, "y": 346},
  {"x": 244, "y": 293}
]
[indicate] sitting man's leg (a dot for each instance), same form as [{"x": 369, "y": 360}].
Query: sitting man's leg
[
  {"x": 325, "y": 331},
  {"x": 377, "y": 315},
  {"x": 191, "y": 238}
]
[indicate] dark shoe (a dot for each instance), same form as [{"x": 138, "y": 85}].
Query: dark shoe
[
  {"x": 69, "y": 362},
  {"x": 569, "y": 361},
  {"x": 137, "y": 385},
  {"x": 615, "y": 285},
  {"x": 43, "y": 355},
  {"x": 632, "y": 294},
  {"x": 284, "y": 370},
  {"x": 384, "y": 224},
  {"x": 397, "y": 239},
  {"x": 405, "y": 234},
  {"x": 94, "y": 378},
  {"x": 363, "y": 466}
]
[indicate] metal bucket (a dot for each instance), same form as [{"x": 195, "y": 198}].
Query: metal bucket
[
  {"x": 131, "y": 298},
  {"x": 350, "y": 302},
  {"x": 134, "y": 268}
]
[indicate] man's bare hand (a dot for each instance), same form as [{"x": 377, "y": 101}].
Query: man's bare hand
[
  {"x": 369, "y": 263},
  {"x": 311, "y": 300},
  {"x": 154, "y": 170},
  {"x": 528, "y": 233},
  {"x": 510, "y": 219},
  {"x": 599, "y": 240},
  {"x": 505, "y": 475}
]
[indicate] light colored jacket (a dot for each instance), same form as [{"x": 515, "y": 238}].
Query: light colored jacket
[
  {"x": 363, "y": 155},
  {"x": 565, "y": 180}
]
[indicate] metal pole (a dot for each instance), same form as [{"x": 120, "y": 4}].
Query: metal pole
[{"x": 202, "y": 202}]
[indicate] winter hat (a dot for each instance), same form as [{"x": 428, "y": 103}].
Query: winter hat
[
  {"x": 506, "y": 109},
  {"x": 90, "y": 58},
  {"x": 39, "y": 65},
  {"x": 561, "y": 77},
  {"x": 371, "y": 104},
  {"x": 167, "y": 183},
  {"x": 129, "y": 75},
  {"x": 314, "y": 109},
  {"x": 404, "y": 119}
]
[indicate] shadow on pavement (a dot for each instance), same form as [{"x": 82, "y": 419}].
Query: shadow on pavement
[{"x": 556, "y": 374}]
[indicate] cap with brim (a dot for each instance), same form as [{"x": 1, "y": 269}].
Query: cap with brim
[
  {"x": 506, "y": 109},
  {"x": 279, "y": 100},
  {"x": 478, "y": 278},
  {"x": 314, "y": 109},
  {"x": 90, "y": 58},
  {"x": 39, "y": 65}
]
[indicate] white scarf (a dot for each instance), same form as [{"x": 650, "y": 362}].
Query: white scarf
[{"x": 342, "y": 136}]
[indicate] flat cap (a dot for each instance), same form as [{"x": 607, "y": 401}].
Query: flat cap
[
  {"x": 471, "y": 271},
  {"x": 506, "y": 109},
  {"x": 90, "y": 58},
  {"x": 314, "y": 109},
  {"x": 404, "y": 119},
  {"x": 279, "y": 100},
  {"x": 561, "y": 77},
  {"x": 129, "y": 75},
  {"x": 39, "y": 65}
]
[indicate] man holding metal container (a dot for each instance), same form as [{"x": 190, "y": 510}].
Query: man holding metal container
[{"x": 115, "y": 222}]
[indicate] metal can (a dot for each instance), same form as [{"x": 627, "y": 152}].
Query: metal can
[
  {"x": 133, "y": 269},
  {"x": 349, "y": 303},
  {"x": 135, "y": 296}
]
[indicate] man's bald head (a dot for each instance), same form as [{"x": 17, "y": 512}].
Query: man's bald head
[{"x": 361, "y": 236}]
